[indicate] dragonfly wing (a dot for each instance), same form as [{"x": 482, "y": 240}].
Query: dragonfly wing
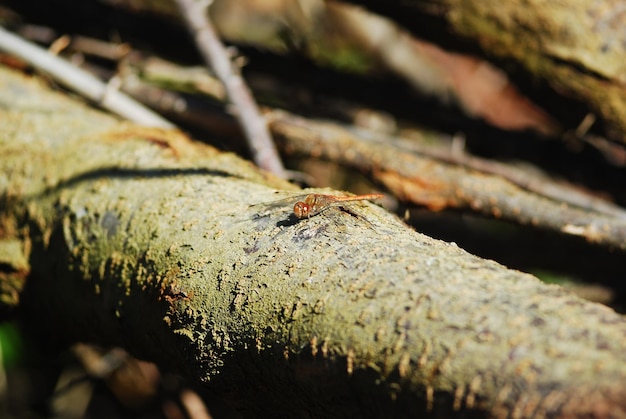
[{"x": 284, "y": 203}]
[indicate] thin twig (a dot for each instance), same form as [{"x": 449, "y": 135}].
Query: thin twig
[
  {"x": 80, "y": 81},
  {"x": 214, "y": 53}
]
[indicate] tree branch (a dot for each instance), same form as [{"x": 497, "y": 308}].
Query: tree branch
[
  {"x": 245, "y": 110},
  {"x": 80, "y": 81},
  {"x": 143, "y": 238}
]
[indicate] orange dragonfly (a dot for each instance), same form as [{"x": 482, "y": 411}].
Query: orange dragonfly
[
  {"x": 306, "y": 206},
  {"x": 315, "y": 203}
]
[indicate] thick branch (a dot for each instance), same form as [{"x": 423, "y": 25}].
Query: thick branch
[
  {"x": 142, "y": 238},
  {"x": 578, "y": 47}
]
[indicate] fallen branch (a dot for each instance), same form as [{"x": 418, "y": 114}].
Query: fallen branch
[{"x": 143, "y": 238}]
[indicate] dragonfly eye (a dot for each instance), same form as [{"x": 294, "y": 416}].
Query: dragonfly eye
[{"x": 301, "y": 210}]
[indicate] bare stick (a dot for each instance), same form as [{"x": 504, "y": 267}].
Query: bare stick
[
  {"x": 214, "y": 53},
  {"x": 80, "y": 81}
]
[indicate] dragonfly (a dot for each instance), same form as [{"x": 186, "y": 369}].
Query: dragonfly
[
  {"x": 306, "y": 206},
  {"x": 315, "y": 203}
]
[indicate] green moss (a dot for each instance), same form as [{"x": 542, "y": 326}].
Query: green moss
[
  {"x": 11, "y": 344},
  {"x": 345, "y": 59}
]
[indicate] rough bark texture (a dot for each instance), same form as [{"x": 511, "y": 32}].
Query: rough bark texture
[{"x": 144, "y": 239}]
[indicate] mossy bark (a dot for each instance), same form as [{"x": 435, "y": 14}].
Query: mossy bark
[{"x": 142, "y": 238}]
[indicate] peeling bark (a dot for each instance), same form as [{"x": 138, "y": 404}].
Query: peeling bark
[{"x": 141, "y": 238}]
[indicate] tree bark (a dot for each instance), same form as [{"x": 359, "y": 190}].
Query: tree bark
[{"x": 142, "y": 238}]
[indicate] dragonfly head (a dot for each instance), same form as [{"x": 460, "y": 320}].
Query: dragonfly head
[{"x": 302, "y": 210}]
